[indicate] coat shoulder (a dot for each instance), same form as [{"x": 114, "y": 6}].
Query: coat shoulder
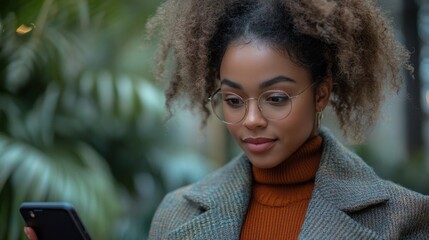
[
  {"x": 387, "y": 208},
  {"x": 184, "y": 204},
  {"x": 172, "y": 208}
]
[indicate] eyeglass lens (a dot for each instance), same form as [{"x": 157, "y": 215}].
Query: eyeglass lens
[{"x": 232, "y": 108}]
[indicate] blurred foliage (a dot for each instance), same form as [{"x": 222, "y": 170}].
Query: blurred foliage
[
  {"x": 78, "y": 118},
  {"x": 411, "y": 173}
]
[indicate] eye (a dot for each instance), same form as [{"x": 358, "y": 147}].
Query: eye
[
  {"x": 233, "y": 100},
  {"x": 276, "y": 98}
]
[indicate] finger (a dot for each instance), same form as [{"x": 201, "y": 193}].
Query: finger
[{"x": 29, "y": 232}]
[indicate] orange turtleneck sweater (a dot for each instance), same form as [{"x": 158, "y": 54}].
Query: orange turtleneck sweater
[{"x": 280, "y": 195}]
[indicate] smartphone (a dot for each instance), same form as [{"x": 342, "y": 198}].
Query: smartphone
[{"x": 53, "y": 220}]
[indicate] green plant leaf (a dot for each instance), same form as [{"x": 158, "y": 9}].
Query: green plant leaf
[{"x": 70, "y": 172}]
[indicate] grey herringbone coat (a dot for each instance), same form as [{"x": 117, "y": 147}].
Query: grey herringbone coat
[{"x": 349, "y": 201}]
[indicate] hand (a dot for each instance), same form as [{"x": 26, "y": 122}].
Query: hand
[{"x": 29, "y": 232}]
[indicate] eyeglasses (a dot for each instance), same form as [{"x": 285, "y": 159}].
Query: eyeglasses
[{"x": 231, "y": 108}]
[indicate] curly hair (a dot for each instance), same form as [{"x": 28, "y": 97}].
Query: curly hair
[{"x": 348, "y": 40}]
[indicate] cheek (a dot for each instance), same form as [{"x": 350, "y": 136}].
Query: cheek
[
  {"x": 301, "y": 118},
  {"x": 233, "y": 130}
]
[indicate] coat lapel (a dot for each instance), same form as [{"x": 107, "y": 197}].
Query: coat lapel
[
  {"x": 325, "y": 221},
  {"x": 223, "y": 200},
  {"x": 344, "y": 185}
]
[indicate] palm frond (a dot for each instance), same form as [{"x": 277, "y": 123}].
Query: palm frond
[{"x": 70, "y": 171}]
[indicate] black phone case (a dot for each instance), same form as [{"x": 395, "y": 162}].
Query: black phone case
[{"x": 53, "y": 220}]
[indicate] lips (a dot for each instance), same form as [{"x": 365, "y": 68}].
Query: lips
[{"x": 258, "y": 145}]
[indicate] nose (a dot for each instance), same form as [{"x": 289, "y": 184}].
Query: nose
[{"x": 254, "y": 118}]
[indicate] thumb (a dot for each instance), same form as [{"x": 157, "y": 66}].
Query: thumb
[{"x": 29, "y": 232}]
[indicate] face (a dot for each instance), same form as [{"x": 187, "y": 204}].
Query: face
[{"x": 253, "y": 68}]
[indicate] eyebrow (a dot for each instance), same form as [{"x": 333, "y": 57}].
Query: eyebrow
[
  {"x": 275, "y": 80},
  {"x": 231, "y": 84},
  {"x": 265, "y": 84}
]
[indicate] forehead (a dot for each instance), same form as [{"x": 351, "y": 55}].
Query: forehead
[{"x": 250, "y": 64}]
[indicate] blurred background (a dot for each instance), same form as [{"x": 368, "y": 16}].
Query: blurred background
[{"x": 83, "y": 120}]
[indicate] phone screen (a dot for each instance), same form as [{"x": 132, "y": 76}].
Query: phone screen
[{"x": 54, "y": 221}]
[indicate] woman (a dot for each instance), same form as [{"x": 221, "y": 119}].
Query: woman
[{"x": 268, "y": 69}]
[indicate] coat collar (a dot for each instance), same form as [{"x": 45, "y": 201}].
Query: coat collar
[
  {"x": 223, "y": 198},
  {"x": 344, "y": 184},
  {"x": 345, "y": 180}
]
